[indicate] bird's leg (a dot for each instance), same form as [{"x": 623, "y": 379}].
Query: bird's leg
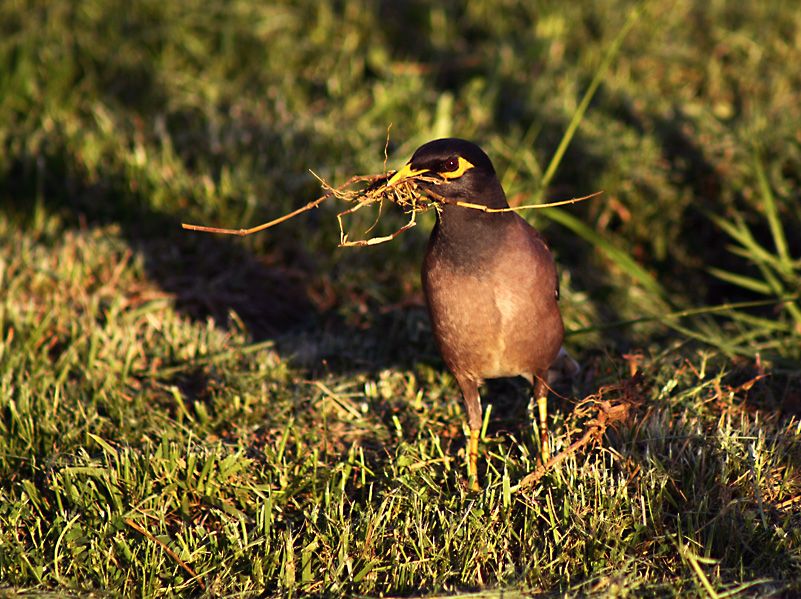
[
  {"x": 472, "y": 465},
  {"x": 541, "y": 394},
  {"x": 472, "y": 402}
]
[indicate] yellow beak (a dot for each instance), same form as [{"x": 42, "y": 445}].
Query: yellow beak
[{"x": 405, "y": 172}]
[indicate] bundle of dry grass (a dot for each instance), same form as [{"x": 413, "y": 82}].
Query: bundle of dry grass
[{"x": 372, "y": 190}]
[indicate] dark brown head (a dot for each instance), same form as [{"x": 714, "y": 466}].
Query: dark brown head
[{"x": 462, "y": 170}]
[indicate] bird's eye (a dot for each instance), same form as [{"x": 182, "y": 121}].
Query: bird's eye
[{"x": 451, "y": 164}]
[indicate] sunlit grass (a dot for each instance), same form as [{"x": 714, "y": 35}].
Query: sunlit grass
[{"x": 186, "y": 414}]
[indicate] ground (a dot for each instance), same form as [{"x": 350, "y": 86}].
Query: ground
[{"x": 185, "y": 413}]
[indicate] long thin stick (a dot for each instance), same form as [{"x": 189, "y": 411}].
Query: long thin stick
[
  {"x": 285, "y": 217},
  {"x": 526, "y": 207},
  {"x": 272, "y": 223}
]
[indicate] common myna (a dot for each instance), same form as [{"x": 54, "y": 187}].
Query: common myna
[{"x": 489, "y": 279}]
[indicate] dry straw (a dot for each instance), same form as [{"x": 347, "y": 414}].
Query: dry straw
[{"x": 371, "y": 190}]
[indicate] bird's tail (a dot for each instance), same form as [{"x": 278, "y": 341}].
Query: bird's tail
[{"x": 563, "y": 367}]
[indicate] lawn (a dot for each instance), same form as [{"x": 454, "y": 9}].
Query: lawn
[{"x": 191, "y": 414}]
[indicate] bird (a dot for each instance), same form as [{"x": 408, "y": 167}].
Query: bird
[{"x": 490, "y": 282}]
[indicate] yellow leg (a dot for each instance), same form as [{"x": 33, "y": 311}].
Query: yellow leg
[
  {"x": 472, "y": 460},
  {"x": 542, "y": 405}
]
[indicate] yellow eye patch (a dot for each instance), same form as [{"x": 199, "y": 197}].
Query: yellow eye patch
[{"x": 464, "y": 166}]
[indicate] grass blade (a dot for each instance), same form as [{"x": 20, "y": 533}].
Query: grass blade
[
  {"x": 741, "y": 280},
  {"x": 742, "y": 234},
  {"x": 622, "y": 259},
  {"x": 772, "y": 214}
]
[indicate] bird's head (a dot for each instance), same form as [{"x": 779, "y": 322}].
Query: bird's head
[{"x": 461, "y": 170}]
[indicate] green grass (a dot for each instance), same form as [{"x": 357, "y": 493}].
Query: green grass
[{"x": 187, "y": 414}]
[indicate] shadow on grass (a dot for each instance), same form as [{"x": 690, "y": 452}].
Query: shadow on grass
[
  {"x": 209, "y": 277},
  {"x": 278, "y": 295}
]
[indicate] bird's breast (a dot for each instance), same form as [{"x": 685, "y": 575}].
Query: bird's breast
[{"x": 495, "y": 315}]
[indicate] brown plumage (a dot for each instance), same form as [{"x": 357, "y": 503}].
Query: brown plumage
[{"x": 490, "y": 282}]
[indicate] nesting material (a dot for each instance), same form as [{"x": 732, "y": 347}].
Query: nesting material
[
  {"x": 371, "y": 190},
  {"x": 610, "y": 407}
]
